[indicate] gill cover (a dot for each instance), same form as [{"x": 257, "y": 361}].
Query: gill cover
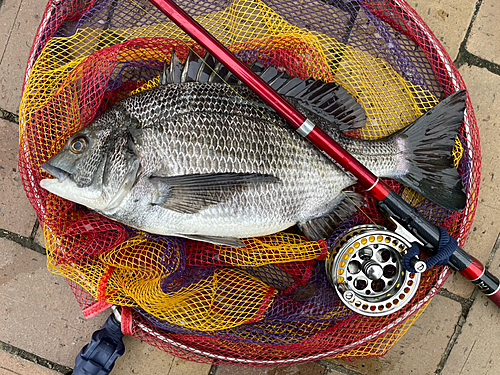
[{"x": 98, "y": 165}]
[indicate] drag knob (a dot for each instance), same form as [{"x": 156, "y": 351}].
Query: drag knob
[{"x": 372, "y": 270}]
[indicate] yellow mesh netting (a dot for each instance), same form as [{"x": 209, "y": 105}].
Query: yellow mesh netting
[{"x": 129, "y": 272}]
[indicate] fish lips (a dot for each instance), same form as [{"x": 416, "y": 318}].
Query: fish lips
[{"x": 56, "y": 172}]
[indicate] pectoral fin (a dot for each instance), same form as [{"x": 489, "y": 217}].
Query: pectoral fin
[{"x": 190, "y": 194}]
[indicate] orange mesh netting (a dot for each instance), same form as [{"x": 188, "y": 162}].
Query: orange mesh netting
[{"x": 269, "y": 301}]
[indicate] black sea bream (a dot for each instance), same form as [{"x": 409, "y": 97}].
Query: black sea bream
[{"x": 201, "y": 159}]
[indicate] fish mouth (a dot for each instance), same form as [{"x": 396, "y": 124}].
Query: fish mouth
[{"x": 56, "y": 172}]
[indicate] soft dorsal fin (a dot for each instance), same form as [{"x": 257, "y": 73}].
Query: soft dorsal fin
[{"x": 328, "y": 100}]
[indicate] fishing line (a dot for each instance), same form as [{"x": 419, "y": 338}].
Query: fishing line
[{"x": 278, "y": 128}]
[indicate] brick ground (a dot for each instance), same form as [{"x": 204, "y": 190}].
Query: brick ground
[{"x": 42, "y": 328}]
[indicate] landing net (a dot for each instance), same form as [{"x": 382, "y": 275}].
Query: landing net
[{"x": 268, "y": 303}]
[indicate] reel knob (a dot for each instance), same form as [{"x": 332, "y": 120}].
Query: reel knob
[
  {"x": 418, "y": 265},
  {"x": 372, "y": 270},
  {"x": 366, "y": 270}
]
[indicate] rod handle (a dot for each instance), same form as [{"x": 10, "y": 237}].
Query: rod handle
[
  {"x": 396, "y": 208},
  {"x": 485, "y": 281}
]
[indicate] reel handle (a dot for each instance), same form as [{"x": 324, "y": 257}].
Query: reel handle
[{"x": 399, "y": 211}]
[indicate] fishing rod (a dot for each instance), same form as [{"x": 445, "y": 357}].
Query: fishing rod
[{"x": 409, "y": 222}]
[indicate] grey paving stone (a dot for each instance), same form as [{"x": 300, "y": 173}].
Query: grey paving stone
[
  {"x": 477, "y": 350},
  {"x": 19, "y": 20},
  {"x": 484, "y": 37},
  {"x": 420, "y": 349},
  {"x": 13, "y": 365},
  {"x": 448, "y": 20},
  {"x": 310, "y": 368},
  {"x": 16, "y": 212},
  {"x": 141, "y": 358},
  {"x": 483, "y": 89},
  {"x": 38, "y": 312},
  {"x": 334, "y": 372}
]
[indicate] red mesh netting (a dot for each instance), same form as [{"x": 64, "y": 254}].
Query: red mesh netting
[{"x": 268, "y": 303}]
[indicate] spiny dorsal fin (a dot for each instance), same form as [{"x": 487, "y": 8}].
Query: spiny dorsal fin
[
  {"x": 197, "y": 69},
  {"x": 207, "y": 68},
  {"x": 176, "y": 68},
  {"x": 191, "y": 68},
  {"x": 165, "y": 76},
  {"x": 327, "y": 100}
]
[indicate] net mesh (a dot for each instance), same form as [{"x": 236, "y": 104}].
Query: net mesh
[{"x": 269, "y": 302}]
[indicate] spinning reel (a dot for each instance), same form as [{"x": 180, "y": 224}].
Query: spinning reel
[{"x": 366, "y": 270}]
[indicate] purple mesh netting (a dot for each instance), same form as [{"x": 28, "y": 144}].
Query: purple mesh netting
[
  {"x": 308, "y": 311},
  {"x": 367, "y": 33}
]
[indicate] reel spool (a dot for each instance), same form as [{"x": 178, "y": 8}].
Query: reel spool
[{"x": 367, "y": 272}]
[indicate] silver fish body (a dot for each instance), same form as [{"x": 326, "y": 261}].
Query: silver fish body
[{"x": 212, "y": 162}]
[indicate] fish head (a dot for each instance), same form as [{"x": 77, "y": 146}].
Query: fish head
[{"x": 95, "y": 166}]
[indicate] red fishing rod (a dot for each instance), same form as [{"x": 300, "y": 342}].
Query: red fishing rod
[{"x": 406, "y": 218}]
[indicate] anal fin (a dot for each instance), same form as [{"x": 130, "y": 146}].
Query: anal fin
[
  {"x": 216, "y": 240},
  {"x": 322, "y": 227}
]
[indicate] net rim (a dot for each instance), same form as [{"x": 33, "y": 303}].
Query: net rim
[
  {"x": 444, "y": 57},
  {"x": 455, "y": 81},
  {"x": 442, "y": 278}
]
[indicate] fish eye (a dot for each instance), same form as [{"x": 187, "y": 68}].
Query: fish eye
[{"x": 78, "y": 145}]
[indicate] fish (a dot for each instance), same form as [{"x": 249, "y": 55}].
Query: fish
[{"x": 204, "y": 158}]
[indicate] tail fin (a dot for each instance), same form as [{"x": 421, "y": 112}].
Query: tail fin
[{"x": 429, "y": 142}]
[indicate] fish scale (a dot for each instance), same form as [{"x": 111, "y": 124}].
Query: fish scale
[
  {"x": 209, "y": 161},
  {"x": 239, "y": 140}
]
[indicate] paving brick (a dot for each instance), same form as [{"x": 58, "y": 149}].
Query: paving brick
[
  {"x": 13, "y": 365},
  {"x": 448, "y": 20},
  {"x": 477, "y": 350},
  {"x": 141, "y": 358},
  {"x": 484, "y": 37},
  {"x": 419, "y": 350},
  {"x": 16, "y": 212},
  {"x": 300, "y": 369},
  {"x": 483, "y": 88},
  {"x": 8, "y": 11},
  {"x": 38, "y": 312},
  {"x": 19, "y": 20}
]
